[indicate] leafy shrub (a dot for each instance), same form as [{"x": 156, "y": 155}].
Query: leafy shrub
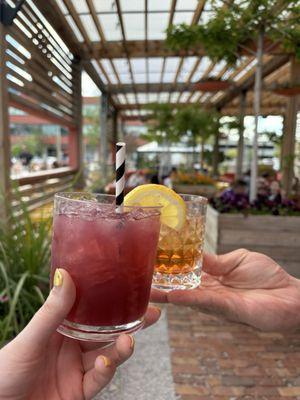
[{"x": 24, "y": 270}]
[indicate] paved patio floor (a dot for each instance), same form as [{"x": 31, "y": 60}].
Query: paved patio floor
[
  {"x": 213, "y": 359},
  {"x": 191, "y": 356}
]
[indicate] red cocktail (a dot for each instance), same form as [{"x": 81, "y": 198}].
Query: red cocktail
[{"x": 110, "y": 257}]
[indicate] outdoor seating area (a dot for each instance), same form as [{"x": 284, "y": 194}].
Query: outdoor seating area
[{"x": 203, "y": 99}]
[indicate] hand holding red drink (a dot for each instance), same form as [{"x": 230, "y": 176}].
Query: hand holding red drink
[{"x": 40, "y": 363}]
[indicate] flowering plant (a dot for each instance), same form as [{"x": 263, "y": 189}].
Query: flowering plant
[
  {"x": 194, "y": 179},
  {"x": 231, "y": 202}
]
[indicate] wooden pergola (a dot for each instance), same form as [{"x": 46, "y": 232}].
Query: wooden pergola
[{"x": 121, "y": 45}]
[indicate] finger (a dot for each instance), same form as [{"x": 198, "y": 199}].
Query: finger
[
  {"x": 119, "y": 352},
  {"x": 152, "y": 315},
  {"x": 223, "y": 264},
  {"x": 158, "y": 296},
  {"x": 221, "y": 302},
  {"x": 98, "y": 377},
  {"x": 51, "y": 314}
]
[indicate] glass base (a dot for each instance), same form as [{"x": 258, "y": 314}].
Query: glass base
[
  {"x": 168, "y": 282},
  {"x": 98, "y": 333}
]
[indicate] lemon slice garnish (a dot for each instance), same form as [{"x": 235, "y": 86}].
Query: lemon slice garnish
[{"x": 173, "y": 212}]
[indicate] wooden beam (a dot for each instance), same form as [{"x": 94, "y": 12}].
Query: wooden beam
[
  {"x": 4, "y": 127},
  {"x": 75, "y": 133},
  {"x": 152, "y": 87},
  {"x": 289, "y": 136},
  {"x": 53, "y": 14},
  {"x": 198, "y": 12},
  {"x": 124, "y": 41},
  {"x": 271, "y": 66},
  {"x": 155, "y": 48},
  {"x": 103, "y": 135},
  {"x": 32, "y": 108}
]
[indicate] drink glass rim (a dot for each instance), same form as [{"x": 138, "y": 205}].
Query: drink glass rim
[
  {"x": 95, "y": 196},
  {"x": 193, "y": 198}
]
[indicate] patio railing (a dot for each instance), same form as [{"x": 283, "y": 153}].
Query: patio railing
[{"x": 39, "y": 188}]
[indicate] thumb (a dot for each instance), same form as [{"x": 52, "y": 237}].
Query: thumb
[
  {"x": 52, "y": 313},
  {"x": 223, "y": 264}
]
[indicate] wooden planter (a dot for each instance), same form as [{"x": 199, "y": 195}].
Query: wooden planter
[
  {"x": 200, "y": 190},
  {"x": 277, "y": 237}
]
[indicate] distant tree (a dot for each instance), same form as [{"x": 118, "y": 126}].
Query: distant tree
[{"x": 198, "y": 125}]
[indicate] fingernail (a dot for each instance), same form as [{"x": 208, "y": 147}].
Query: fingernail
[
  {"x": 106, "y": 361},
  {"x": 132, "y": 341},
  {"x": 58, "y": 278}
]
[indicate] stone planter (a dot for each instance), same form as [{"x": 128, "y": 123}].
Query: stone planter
[
  {"x": 200, "y": 190},
  {"x": 277, "y": 237}
]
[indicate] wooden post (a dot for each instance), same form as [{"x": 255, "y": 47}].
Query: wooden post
[
  {"x": 75, "y": 133},
  {"x": 288, "y": 143},
  {"x": 240, "y": 147},
  {"x": 103, "y": 135},
  {"x": 4, "y": 128},
  {"x": 257, "y": 109},
  {"x": 216, "y": 151},
  {"x": 215, "y": 156},
  {"x": 115, "y": 135}
]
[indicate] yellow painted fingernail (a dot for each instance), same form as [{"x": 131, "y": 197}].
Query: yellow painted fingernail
[
  {"x": 58, "y": 278},
  {"x": 132, "y": 341},
  {"x": 106, "y": 361}
]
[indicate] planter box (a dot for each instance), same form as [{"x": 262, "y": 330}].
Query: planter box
[
  {"x": 277, "y": 237},
  {"x": 200, "y": 190}
]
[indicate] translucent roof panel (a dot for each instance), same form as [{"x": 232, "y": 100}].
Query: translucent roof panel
[
  {"x": 152, "y": 97},
  {"x": 174, "y": 97},
  {"x": 184, "y": 97},
  {"x": 202, "y": 67},
  {"x": 154, "y": 77},
  {"x": 97, "y": 68},
  {"x": 62, "y": 7},
  {"x": 157, "y": 25},
  {"x": 186, "y": 4},
  {"x": 217, "y": 69},
  {"x": 183, "y": 18},
  {"x": 142, "y": 98},
  {"x": 159, "y": 5},
  {"x": 104, "y": 6},
  {"x": 134, "y": 26},
  {"x": 138, "y": 65},
  {"x": 132, "y": 5},
  {"x": 90, "y": 27},
  {"x": 195, "y": 96},
  {"x": 80, "y": 6},
  {"x": 187, "y": 66},
  {"x": 111, "y": 26},
  {"x": 74, "y": 28},
  {"x": 155, "y": 64}
]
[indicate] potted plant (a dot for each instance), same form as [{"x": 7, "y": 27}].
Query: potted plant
[{"x": 195, "y": 183}]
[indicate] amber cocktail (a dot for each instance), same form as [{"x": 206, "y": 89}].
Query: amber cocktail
[{"x": 180, "y": 252}]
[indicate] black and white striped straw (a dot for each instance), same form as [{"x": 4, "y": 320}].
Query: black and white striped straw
[{"x": 120, "y": 176}]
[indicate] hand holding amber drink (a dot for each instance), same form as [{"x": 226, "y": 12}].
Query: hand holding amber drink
[{"x": 180, "y": 248}]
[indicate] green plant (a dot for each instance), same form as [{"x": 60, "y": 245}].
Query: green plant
[
  {"x": 24, "y": 269},
  {"x": 161, "y": 125},
  {"x": 233, "y": 31},
  {"x": 198, "y": 125}
]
